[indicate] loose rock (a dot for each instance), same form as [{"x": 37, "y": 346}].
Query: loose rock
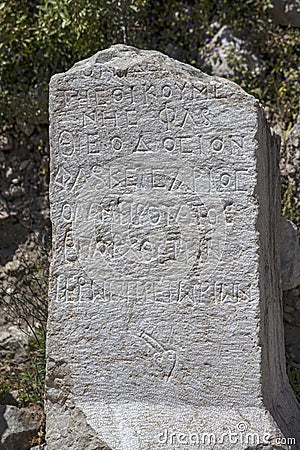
[{"x": 19, "y": 427}]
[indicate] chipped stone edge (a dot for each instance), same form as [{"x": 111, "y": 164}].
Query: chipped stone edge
[{"x": 69, "y": 427}]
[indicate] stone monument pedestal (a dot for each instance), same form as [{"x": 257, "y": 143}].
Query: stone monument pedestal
[{"x": 165, "y": 326}]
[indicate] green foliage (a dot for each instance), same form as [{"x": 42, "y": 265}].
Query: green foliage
[
  {"x": 4, "y": 389},
  {"x": 42, "y": 37},
  {"x": 27, "y": 303},
  {"x": 31, "y": 382},
  {"x": 284, "y": 79}
]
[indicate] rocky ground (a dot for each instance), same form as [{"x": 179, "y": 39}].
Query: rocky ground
[
  {"x": 24, "y": 240},
  {"x": 290, "y": 172}
]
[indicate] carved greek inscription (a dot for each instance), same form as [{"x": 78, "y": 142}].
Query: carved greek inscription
[
  {"x": 222, "y": 145},
  {"x": 197, "y": 91},
  {"x": 66, "y": 143},
  {"x": 67, "y": 212},
  {"x": 173, "y": 118},
  {"x": 148, "y": 220},
  {"x": 68, "y": 181},
  {"x": 70, "y": 246},
  {"x": 229, "y": 211},
  {"x": 80, "y": 288},
  {"x": 73, "y": 289},
  {"x": 177, "y": 122},
  {"x": 62, "y": 177},
  {"x": 92, "y": 122},
  {"x": 203, "y": 181},
  {"x": 141, "y": 145},
  {"x": 154, "y": 169},
  {"x": 177, "y": 139},
  {"x": 126, "y": 94},
  {"x": 71, "y": 98},
  {"x": 164, "y": 358},
  {"x": 229, "y": 180}
]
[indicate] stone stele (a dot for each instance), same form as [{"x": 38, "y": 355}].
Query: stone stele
[{"x": 165, "y": 323}]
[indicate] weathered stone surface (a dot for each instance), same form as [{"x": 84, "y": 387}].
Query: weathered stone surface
[
  {"x": 165, "y": 327},
  {"x": 290, "y": 255},
  {"x": 286, "y": 12},
  {"x": 12, "y": 343},
  {"x": 67, "y": 426},
  {"x": 19, "y": 427}
]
